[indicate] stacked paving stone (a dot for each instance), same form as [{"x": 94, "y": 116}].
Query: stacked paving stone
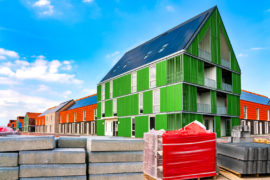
[
  {"x": 241, "y": 134},
  {"x": 245, "y": 157},
  {"x": 115, "y": 158}
]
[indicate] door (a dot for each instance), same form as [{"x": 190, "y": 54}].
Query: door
[{"x": 111, "y": 128}]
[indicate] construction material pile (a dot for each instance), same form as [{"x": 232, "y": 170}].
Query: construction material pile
[
  {"x": 66, "y": 158},
  {"x": 4, "y": 131},
  {"x": 182, "y": 154},
  {"x": 241, "y": 134},
  {"x": 244, "y": 157}
]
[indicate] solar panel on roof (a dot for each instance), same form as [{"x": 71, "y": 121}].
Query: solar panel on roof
[
  {"x": 176, "y": 40},
  {"x": 254, "y": 98},
  {"x": 55, "y": 109},
  {"x": 84, "y": 102}
]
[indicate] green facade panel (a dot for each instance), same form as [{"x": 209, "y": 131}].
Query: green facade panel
[
  {"x": 99, "y": 110},
  {"x": 100, "y": 128},
  {"x": 171, "y": 98},
  {"x": 235, "y": 121},
  {"x": 218, "y": 126},
  {"x": 213, "y": 102},
  {"x": 99, "y": 93},
  {"x": 193, "y": 70},
  {"x": 236, "y": 83},
  {"x": 161, "y": 73},
  {"x": 161, "y": 121},
  {"x": 174, "y": 121},
  {"x": 122, "y": 86},
  {"x": 148, "y": 102},
  {"x": 128, "y": 105},
  {"x": 175, "y": 72},
  {"x": 107, "y": 90},
  {"x": 189, "y": 98},
  {"x": 109, "y": 108},
  {"x": 188, "y": 118},
  {"x": 124, "y": 127},
  {"x": 219, "y": 78},
  {"x": 233, "y": 105},
  {"x": 141, "y": 126},
  {"x": 143, "y": 79}
]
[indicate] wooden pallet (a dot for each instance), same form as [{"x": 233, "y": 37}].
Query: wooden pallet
[
  {"x": 147, "y": 177},
  {"x": 241, "y": 175}
]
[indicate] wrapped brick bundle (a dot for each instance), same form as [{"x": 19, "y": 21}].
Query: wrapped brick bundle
[{"x": 186, "y": 153}]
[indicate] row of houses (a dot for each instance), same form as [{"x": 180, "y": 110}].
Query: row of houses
[{"x": 188, "y": 73}]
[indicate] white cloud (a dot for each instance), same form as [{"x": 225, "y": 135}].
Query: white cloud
[
  {"x": 89, "y": 91},
  {"x": 43, "y": 87},
  {"x": 13, "y": 103},
  {"x": 256, "y": 48},
  {"x": 112, "y": 54},
  {"x": 67, "y": 65},
  {"x": 113, "y": 57},
  {"x": 67, "y": 93},
  {"x": 44, "y": 6},
  {"x": 242, "y": 55},
  {"x": 170, "y": 8},
  {"x": 88, "y": 1},
  {"x": 268, "y": 10},
  {"x": 4, "y": 54},
  {"x": 7, "y": 81}
]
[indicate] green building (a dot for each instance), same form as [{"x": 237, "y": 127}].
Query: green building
[
  {"x": 29, "y": 121},
  {"x": 187, "y": 73}
]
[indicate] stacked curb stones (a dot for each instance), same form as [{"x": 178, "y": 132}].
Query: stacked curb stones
[
  {"x": 115, "y": 158},
  {"x": 245, "y": 157}
]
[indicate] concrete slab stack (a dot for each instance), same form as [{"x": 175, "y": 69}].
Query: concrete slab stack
[
  {"x": 245, "y": 157},
  {"x": 115, "y": 158},
  {"x": 9, "y": 169}
]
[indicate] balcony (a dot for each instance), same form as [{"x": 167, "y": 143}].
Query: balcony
[
  {"x": 204, "y": 54},
  {"x": 225, "y": 63},
  {"x": 205, "y": 108},
  {"x": 210, "y": 83},
  {"x": 226, "y": 87},
  {"x": 221, "y": 110},
  {"x": 152, "y": 83},
  {"x": 156, "y": 108}
]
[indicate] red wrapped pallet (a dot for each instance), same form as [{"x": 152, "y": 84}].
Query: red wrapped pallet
[{"x": 189, "y": 153}]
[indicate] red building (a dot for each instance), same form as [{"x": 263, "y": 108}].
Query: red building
[
  {"x": 80, "y": 117},
  {"x": 40, "y": 123},
  {"x": 255, "y": 109}
]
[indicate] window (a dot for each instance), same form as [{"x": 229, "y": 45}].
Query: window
[
  {"x": 95, "y": 113},
  {"x": 61, "y": 119},
  {"x": 75, "y": 116},
  {"x": 146, "y": 56},
  {"x": 140, "y": 102},
  {"x": 258, "y": 114},
  {"x": 152, "y": 77},
  {"x": 102, "y": 108},
  {"x": 156, "y": 101},
  {"x": 114, "y": 107},
  {"x": 268, "y": 115},
  {"x": 245, "y": 112},
  {"x": 103, "y": 91},
  {"x": 84, "y": 115},
  {"x": 163, "y": 47},
  {"x": 134, "y": 82},
  {"x": 111, "y": 89},
  {"x": 224, "y": 51},
  {"x": 205, "y": 47},
  {"x": 152, "y": 123},
  {"x": 67, "y": 119},
  {"x": 133, "y": 127}
]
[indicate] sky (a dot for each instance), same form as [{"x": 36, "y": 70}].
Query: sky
[{"x": 55, "y": 50}]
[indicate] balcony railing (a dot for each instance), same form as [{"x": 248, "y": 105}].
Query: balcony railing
[
  {"x": 225, "y": 63},
  {"x": 204, "y": 54},
  {"x": 226, "y": 87},
  {"x": 206, "y": 108},
  {"x": 210, "y": 83},
  {"x": 175, "y": 77},
  {"x": 152, "y": 83},
  {"x": 221, "y": 110},
  {"x": 156, "y": 108}
]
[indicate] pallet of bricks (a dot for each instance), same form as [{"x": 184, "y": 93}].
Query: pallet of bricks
[
  {"x": 244, "y": 158},
  {"x": 187, "y": 153}
]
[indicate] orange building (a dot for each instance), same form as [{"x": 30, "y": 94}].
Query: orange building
[
  {"x": 80, "y": 117},
  {"x": 29, "y": 121},
  {"x": 12, "y": 124},
  {"x": 40, "y": 123},
  {"x": 255, "y": 112},
  {"x": 20, "y": 123}
]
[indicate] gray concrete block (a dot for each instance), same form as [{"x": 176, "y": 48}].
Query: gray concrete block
[
  {"x": 71, "y": 142},
  {"x": 115, "y": 144},
  {"x": 112, "y": 168},
  {"x": 55, "y": 156},
  {"x": 17, "y": 143},
  {"x": 237, "y": 165},
  {"x": 124, "y": 176},
  {"x": 57, "y": 178},
  {"x": 52, "y": 170},
  {"x": 9, "y": 173},
  {"x": 261, "y": 167},
  {"x": 8, "y": 159},
  {"x": 232, "y": 150},
  {"x": 129, "y": 156}
]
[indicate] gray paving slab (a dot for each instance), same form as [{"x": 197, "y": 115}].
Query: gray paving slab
[
  {"x": 71, "y": 142},
  {"x": 261, "y": 167},
  {"x": 52, "y": 170},
  {"x": 9, "y": 173},
  {"x": 111, "y": 168},
  {"x": 20, "y": 143},
  {"x": 237, "y": 165},
  {"x": 58, "y": 178},
  {"x": 232, "y": 150},
  {"x": 129, "y": 156},
  {"x": 9, "y": 159},
  {"x": 114, "y": 144},
  {"x": 55, "y": 156},
  {"x": 124, "y": 176}
]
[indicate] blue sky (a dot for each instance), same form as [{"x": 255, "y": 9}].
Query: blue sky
[{"x": 55, "y": 50}]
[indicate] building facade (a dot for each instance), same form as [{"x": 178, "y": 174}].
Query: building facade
[
  {"x": 29, "y": 121},
  {"x": 12, "y": 124},
  {"x": 20, "y": 123},
  {"x": 80, "y": 117},
  {"x": 40, "y": 124},
  {"x": 255, "y": 112},
  {"x": 187, "y": 73}
]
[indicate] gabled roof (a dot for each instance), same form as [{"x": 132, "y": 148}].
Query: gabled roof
[
  {"x": 32, "y": 115},
  {"x": 163, "y": 45},
  {"x": 89, "y": 100},
  {"x": 55, "y": 109},
  {"x": 253, "y": 97}
]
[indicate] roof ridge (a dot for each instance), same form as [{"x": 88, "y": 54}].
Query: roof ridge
[
  {"x": 85, "y": 97},
  {"x": 255, "y": 93}
]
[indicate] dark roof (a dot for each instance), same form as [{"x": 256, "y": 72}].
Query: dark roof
[
  {"x": 252, "y": 97},
  {"x": 171, "y": 41},
  {"x": 55, "y": 109},
  {"x": 84, "y": 102}
]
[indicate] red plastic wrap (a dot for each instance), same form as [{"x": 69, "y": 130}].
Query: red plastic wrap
[{"x": 189, "y": 153}]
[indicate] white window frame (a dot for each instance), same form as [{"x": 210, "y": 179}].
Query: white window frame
[
  {"x": 245, "y": 112},
  {"x": 84, "y": 116},
  {"x": 140, "y": 102},
  {"x": 75, "y": 116},
  {"x": 134, "y": 82},
  {"x": 103, "y": 91},
  {"x": 156, "y": 100},
  {"x": 152, "y": 76},
  {"x": 258, "y": 113},
  {"x": 114, "y": 106},
  {"x": 111, "y": 88},
  {"x": 266, "y": 127}
]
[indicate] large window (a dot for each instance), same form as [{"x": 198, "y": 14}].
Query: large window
[
  {"x": 67, "y": 118},
  {"x": 61, "y": 119},
  {"x": 141, "y": 102},
  {"x": 156, "y": 101},
  {"x": 205, "y": 47},
  {"x": 258, "y": 113},
  {"x": 102, "y": 108},
  {"x": 175, "y": 70},
  {"x": 84, "y": 115},
  {"x": 152, "y": 76},
  {"x": 95, "y": 113},
  {"x": 111, "y": 89},
  {"x": 114, "y": 107},
  {"x": 134, "y": 82},
  {"x": 133, "y": 127},
  {"x": 75, "y": 116},
  {"x": 103, "y": 91},
  {"x": 224, "y": 51},
  {"x": 245, "y": 112},
  {"x": 268, "y": 115}
]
